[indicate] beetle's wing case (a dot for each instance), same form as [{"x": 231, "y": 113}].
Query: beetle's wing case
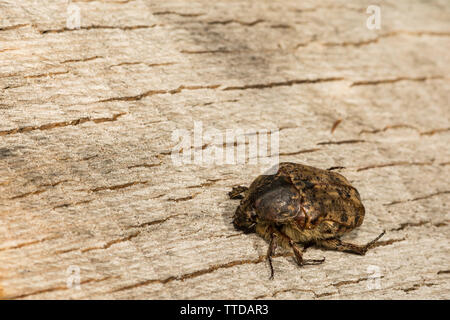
[
  {"x": 303, "y": 175},
  {"x": 326, "y": 197}
]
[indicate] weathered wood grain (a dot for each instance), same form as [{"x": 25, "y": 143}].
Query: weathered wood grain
[{"x": 86, "y": 120}]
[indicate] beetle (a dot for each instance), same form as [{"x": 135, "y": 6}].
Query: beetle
[{"x": 300, "y": 204}]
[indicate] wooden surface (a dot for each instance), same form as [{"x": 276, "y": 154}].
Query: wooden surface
[{"x": 86, "y": 177}]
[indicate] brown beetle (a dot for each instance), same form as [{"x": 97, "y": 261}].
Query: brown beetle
[{"x": 301, "y": 204}]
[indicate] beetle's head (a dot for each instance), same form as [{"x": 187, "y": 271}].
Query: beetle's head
[{"x": 245, "y": 217}]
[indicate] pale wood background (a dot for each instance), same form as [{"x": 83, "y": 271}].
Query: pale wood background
[{"x": 86, "y": 118}]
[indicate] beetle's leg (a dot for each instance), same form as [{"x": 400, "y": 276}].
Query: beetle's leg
[
  {"x": 270, "y": 252},
  {"x": 299, "y": 256},
  {"x": 337, "y": 244},
  {"x": 297, "y": 252},
  {"x": 236, "y": 193},
  {"x": 306, "y": 246}
]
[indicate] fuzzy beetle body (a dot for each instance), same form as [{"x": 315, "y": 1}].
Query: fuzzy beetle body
[{"x": 301, "y": 204}]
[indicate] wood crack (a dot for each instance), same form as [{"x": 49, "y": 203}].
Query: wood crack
[
  {"x": 215, "y": 102},
  {"x": 347, "y": 282},
  {"x": 39, "y": 191},
  {"x": 242, "y": 23},
  {"x": 154, "y": 222},
  {"x": 336, "y": 168},
  {"x": 190, "y": 197},
  {"x": 153, "y": 92},
  {"x": 48, "y": 74},
  {"x": 335, "y": 125},
  {"x": 284, "y": 83},
  {"x": 281, "y": 26},
  {"x": 145, "y": 165},
  {"x": 410, "y": 224},
  {"x": 112, "y": 242},
  {"x": 66, "y": 205},
  {"x": 7, "y": 49},
  {"x": 418, "y": 198},
  {"x": 182, "y": 87},
  {"x": 29, "y": 243},
  {"x": 208, "y": 183},
  {"x": 208, "y": 51},
  {"x": 352, "y": 141},
  {"x": 119, "y": 186},
  {"x": 49, "y": 126},
  {"x": 277, "y": 292},
  {"x": 13, "y": 27},
  {"x": 405, "y": 126},
  {"x": 144, "y": 63},
  {"x": 81, "y": 59},
  {"x": 434, "y": 131},
  {"x": 360, "y": 43},
  {"x": 419, "y": 224},
  {"x": 333, "y": 7},
  {"x": 259, "y": 86},
  {"x": 198, "y": 273},
  {"x": 394, "y": 164},
  {"x": 150, "y": 223},
  {"x": 93, "y": 27},
  {"x": 298, "y": 152},
  {"x": 181, "y": 14},
  {"x": 59, "y": 288},
  {"x": 105, "y": 1},
  {"x": 32, "y": 76},
  {"x": 443, "y": 272},
  {"x": 389, "y": 127},
  {"x": 418, "y": 286},
  {"x": 394, "y": 80}
]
